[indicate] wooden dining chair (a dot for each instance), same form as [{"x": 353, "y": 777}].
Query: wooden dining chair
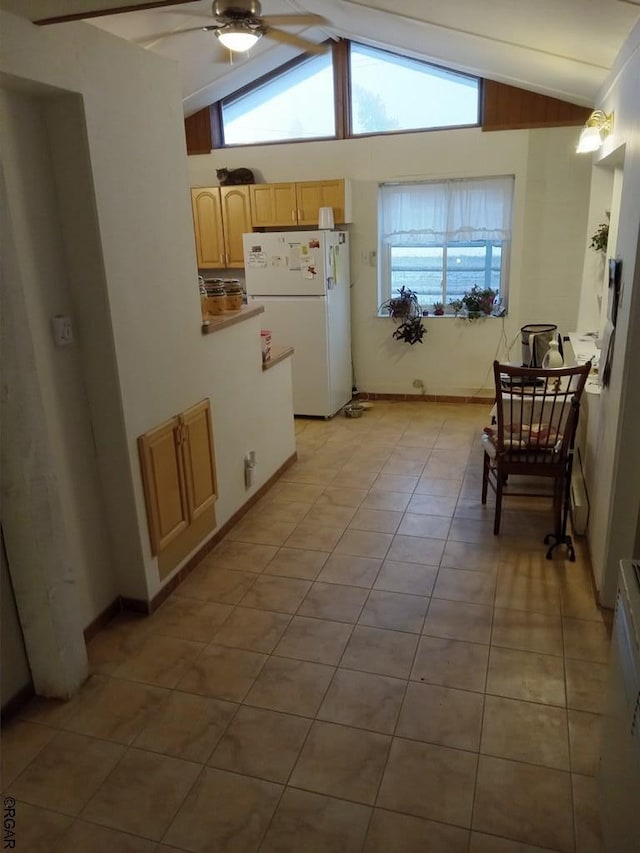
[{"x": 536, "y": 415}]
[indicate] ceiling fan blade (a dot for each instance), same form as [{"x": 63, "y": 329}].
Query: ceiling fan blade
[
  {"x": 296, "y": 41},
  {"x": 294, "y": 20},
  {"x": 155, "y": 37},
  {"x": 116, "y": 8}
]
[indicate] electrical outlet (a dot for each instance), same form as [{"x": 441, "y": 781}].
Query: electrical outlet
[{"x": 62, "y": 330}]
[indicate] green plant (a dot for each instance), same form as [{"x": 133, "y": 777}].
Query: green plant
[
  {"x": 457, "y": 306},
  {"x": 405, "y": 309},
  {"x": 478, "y": 301},
  {"x": 438, "y": 308},
  {"x": 600, "y": 239}
]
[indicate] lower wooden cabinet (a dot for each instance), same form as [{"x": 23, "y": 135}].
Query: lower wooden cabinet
[{"x": 178, "y": 473}]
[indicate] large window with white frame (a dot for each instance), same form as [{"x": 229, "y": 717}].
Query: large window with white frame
[{"x": 440, "y": 238}]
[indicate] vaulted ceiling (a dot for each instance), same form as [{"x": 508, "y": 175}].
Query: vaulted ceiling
[{"x": 561, "y": 48}]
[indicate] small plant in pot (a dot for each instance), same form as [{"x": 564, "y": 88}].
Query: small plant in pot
[
  {"x": 405, "y": 310},
  {"x": 478, "y": 301},
  {"x": 438, "y": 308}
]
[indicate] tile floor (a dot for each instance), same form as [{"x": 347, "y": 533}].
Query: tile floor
[{"x": 359, "y": 666}]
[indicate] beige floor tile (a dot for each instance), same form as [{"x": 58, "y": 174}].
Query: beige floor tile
[
  {"x": 342, "y": 762},
  {"x": 482, "y": 843},
  {"x": 271, "y": 509},
  {"x": 243, "y": 809},
  {"x": 261, "y": 743},
  {"x": 585, "y": 640},
  {"x": 330, "y": 515},
  {"x": 463, "y": 555},
  {"x": 546, "y": 742},
  {"x": 440, "y": 487},
  {"x": 472, "y": 531},
  {"x": 21, "y": 742},
  {"x": 333, "y": 601},
  {"x": 362, "y": 543},
  {"x": 66, "y": 772},
  {"x": 431, "y": 526},
  {"x": 354, "y": 479},
  {"x": 85, "y": 837},
  {"x": 309, "y": 473},
  {"x": 189, "y": 618},
  {"x": 586, "y": 685},
  {"x": 240, "y": 556},
  {"x": 261, "y": 531},
  {"x": 383, "y": 499},
  {"x": 526, "y": 675},
  {"x": 441, "y": 715},
  {"x": 457, "y": 620},
  {"x": 409, "y": 578},
  {"x": 116, "y": 710},
  {"x": 222, "y": 585},
  {"x": 223, "y": 673},
  {"x": 296, "y": 492},
  {"x": 376, "y": 520},
  {"x": 161, "y": 661},
  {"x": 316, "y": 824},
  {"x": 460, "y": 585},
  {"x": 585, "y": 734},
  {"x": 253, "y": 630},
  {"x": 314, "y": 538},
  {"x": 341, "y": 496},
  {"x": 316, "y": 640},
  {"x": 379, "y": 651},
  {"x": 397, "y": 482},
  {"x": 416, "y": 835},
  {"x": 395, "y": 611},
  {"x": 187, "y": 726},
  {"x": 578, "y": 601},
  {"x": 432, "y": 505},
  {"x": 416, "y": 549},
  {"x": 363, "y": 700},
  {"x": 271, "y": 592},
  {"x": 527, "y": 593},
  {"x": 297, "y": 563},
  {"x": 429, "y": 781},
  {"x": 398, "y": 465},
  {"x": 350, "y": 570},
  {"x": 527, "y": 631},
  {"x": 49, "y": 712},
  {"x": 439, "y": 467},
  {"x": 586, "y": 815},
  {"x": 142, "y": 794},
  {"x": 38, "y": 830},
  {"x": 111, "y": 647},
  {"x": 292, "y": 686},
  {"x": 524, "y": 803},
  {"x": 451, "y": 663}
]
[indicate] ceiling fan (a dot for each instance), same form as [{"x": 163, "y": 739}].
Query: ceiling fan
[{"x": 238, "y": 23}]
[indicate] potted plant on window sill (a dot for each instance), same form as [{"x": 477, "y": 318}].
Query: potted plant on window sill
[
  {"x": 478, "y": 301},
  {"x": 405, "y": 309}
]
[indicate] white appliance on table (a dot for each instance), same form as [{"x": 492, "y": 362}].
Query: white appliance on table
[{"x": 302, "y": 279}]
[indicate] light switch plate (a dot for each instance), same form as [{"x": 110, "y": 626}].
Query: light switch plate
[{"x": 62, "y": 330}]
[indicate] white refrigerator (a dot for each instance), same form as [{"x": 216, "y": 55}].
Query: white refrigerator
[{"x": 302, "y": 279}]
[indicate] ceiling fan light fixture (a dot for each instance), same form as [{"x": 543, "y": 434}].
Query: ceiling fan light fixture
[{"x": 238, "y": 36}]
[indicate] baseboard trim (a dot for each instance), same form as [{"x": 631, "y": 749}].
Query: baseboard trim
[
  {"x": 101, "y": 619},
  {"x": 17, "y": 702},
  {"x": 140, "y": 606},
  {"x": 423, "y": 398}
]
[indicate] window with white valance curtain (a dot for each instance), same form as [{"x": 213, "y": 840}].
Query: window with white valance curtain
[{"x": 439, "y": 238}]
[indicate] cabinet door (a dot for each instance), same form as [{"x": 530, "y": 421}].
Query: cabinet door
[
  {"x": 163, "y": 479},
  {"x": 273, "y": 205},
  {"x": 198, "y": 457},
  {"x": 312, "y": 195},
  {"x": 207, "y": 223},
  {"x": 236, "y": 220}
]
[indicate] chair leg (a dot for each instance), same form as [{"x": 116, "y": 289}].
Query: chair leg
[
  {"x": 485, "y": 477},
  {"x": 498, "y": 516}
]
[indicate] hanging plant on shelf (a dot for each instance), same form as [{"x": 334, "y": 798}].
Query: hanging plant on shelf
[
  {"x": 600, "y": 239},
  {"x": 405, "y": 310},
  {"x": 478, "y": 302}
]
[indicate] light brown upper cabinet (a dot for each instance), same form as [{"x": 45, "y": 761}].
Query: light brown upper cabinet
[
  {"x": 286, "y": 204},
  {"x": 221, "y": 215},
  {"x": 178, "y": 473}
]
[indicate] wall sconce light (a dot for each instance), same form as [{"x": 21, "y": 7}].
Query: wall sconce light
[{"x": 596, "y": 127}]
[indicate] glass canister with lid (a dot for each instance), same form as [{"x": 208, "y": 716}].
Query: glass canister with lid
[
  {"x": 233, "y": 295},
  {"x": 216, "y": 299}
]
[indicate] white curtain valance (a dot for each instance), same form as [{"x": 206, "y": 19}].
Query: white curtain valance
[{"x": 453, "y": 210}]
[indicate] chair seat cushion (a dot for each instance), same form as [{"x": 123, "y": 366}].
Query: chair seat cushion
[{"x": 523, "y": 437}]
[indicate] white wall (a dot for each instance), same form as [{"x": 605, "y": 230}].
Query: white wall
[
  {"x": 551, "y": 201},
  {"x": 615, "y": 510},
  {"x": 138, "y": 259}
]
